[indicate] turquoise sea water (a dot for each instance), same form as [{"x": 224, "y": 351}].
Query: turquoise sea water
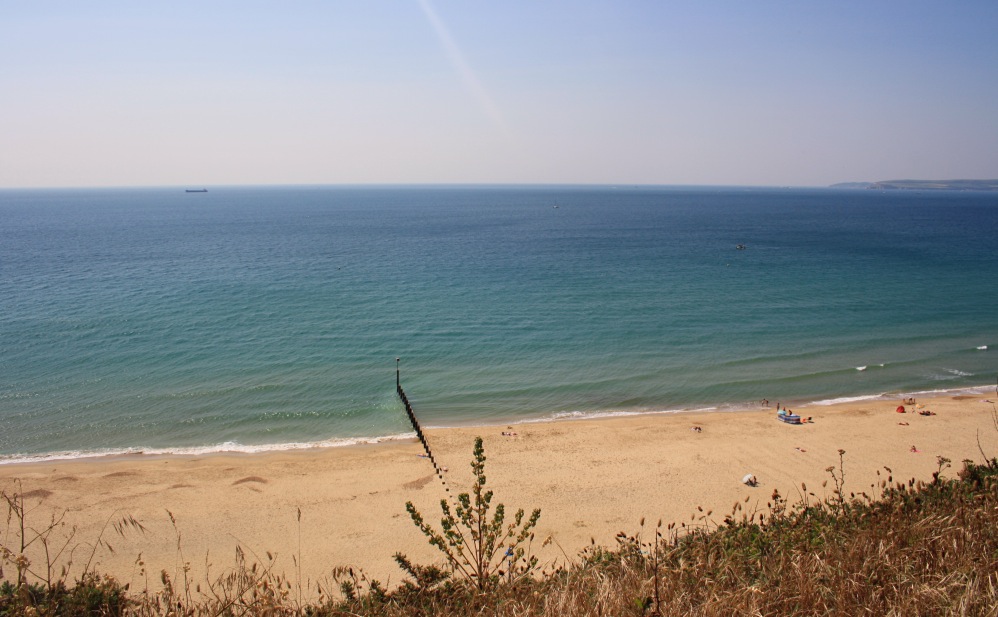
[{"x": 260, "y": 318}]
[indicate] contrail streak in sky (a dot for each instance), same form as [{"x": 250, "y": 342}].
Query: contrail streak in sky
[{"x": 457, "y": 59}]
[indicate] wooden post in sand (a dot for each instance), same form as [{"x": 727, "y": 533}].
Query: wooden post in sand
[{"x": 416, "y": 427}]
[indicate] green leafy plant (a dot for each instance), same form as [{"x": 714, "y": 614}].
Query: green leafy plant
[{"x": 475, "y": 537}]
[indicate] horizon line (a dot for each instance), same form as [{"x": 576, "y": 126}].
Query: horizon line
[
  {"x": 428, "y": 184},
  {"x": 412, "y": 184}
]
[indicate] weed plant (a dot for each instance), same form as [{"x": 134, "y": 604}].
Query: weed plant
[{"x": 479, "y": 546}]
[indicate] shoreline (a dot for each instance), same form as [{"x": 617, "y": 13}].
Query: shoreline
[
  {"x": 237, "y": 449},
  {"x": 591, "y": 478}
]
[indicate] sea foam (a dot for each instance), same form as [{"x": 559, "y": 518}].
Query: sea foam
[{"x": 228, "y": 447}]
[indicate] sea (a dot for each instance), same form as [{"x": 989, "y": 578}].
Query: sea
[{"x": 248, "y": 319}]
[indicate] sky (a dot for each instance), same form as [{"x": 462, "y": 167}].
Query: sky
[{"x": 207, "y": 93}]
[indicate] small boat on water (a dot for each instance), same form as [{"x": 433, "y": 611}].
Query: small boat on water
[
  {"x": 195, "y": 190},
  {"x": 740, "y": 247}
]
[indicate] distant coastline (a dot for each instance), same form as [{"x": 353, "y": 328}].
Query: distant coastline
[{"x": 922, "y": 185}]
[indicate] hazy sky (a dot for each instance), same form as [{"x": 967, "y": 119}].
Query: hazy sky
[{"x": 741, "y": 92}]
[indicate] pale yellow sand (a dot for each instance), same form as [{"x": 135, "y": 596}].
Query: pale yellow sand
[{"x": 591, "y": 479}]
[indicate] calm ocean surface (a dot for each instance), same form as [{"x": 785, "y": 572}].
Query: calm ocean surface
[{"x": 266, "y": 318}]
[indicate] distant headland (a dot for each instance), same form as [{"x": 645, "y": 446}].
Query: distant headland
[{"x": 923, "y": 185}]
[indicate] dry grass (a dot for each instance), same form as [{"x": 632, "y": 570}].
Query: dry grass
[{"x": 913, "y": 550}]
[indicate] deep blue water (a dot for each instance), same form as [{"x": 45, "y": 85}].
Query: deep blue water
[{"x": 255, "y": 317}]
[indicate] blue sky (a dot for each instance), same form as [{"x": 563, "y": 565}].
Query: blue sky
[{"x": 103, "y": 93}]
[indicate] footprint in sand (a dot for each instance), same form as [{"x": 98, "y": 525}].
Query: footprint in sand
[
  {"x": 257, "y": 479},
  {"x": 418, "y": 484},
  {"x": 38, "y": 492}
]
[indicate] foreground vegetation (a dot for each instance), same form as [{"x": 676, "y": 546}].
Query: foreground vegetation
[{"x": 898, "y": 549}]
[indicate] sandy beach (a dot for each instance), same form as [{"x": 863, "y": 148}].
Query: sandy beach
[{"x": 591, "y": 479}]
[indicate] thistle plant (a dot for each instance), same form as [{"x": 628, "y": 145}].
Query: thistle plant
[{"x": 475, "y": 537}]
